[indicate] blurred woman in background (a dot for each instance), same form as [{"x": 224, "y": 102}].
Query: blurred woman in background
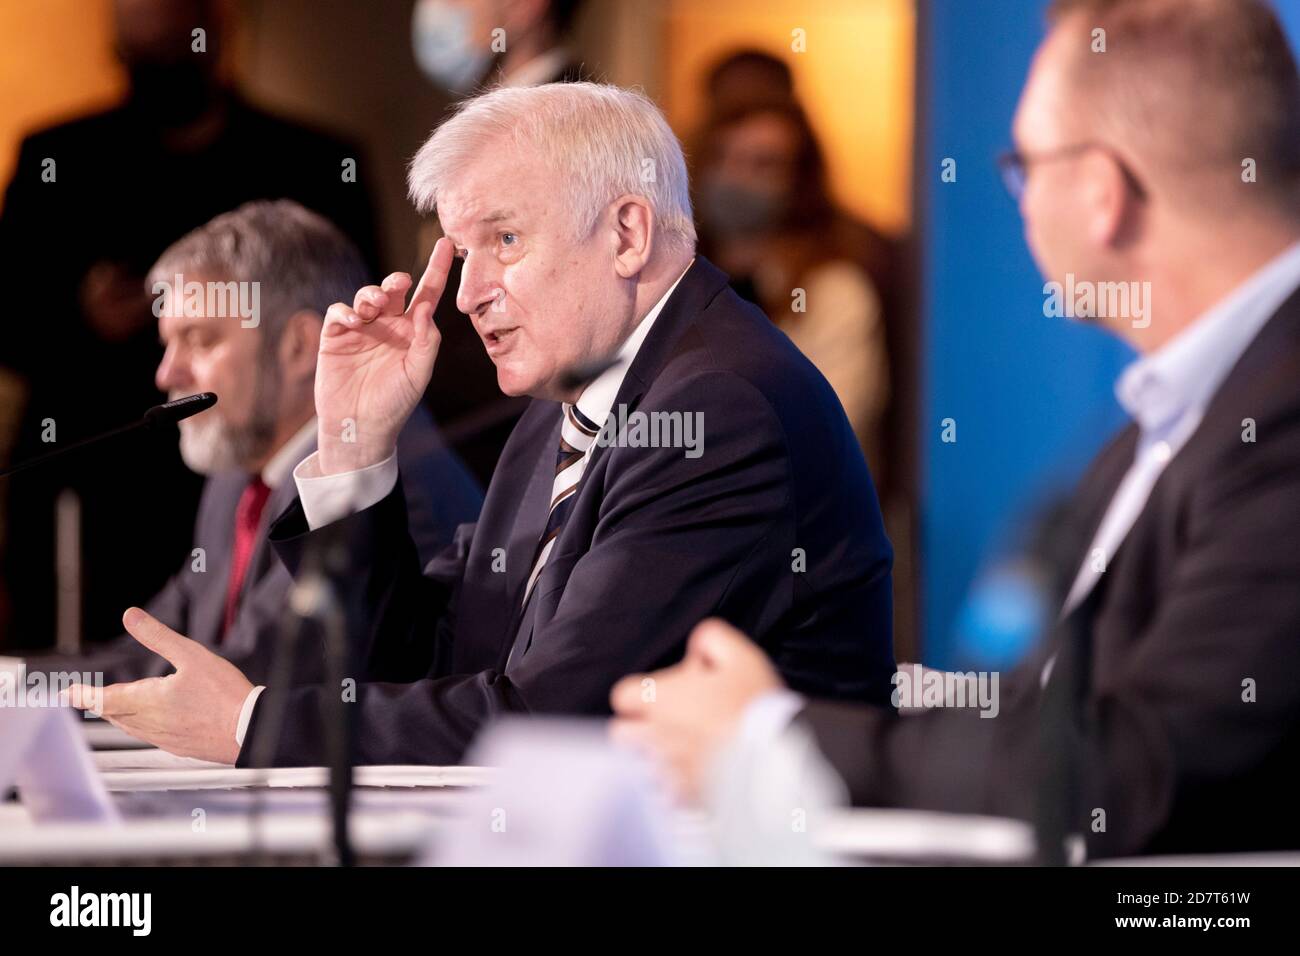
[{"x": 767, "y": 218}]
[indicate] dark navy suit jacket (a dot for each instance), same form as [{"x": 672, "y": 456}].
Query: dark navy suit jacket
[{"x": 775, "y": 526}]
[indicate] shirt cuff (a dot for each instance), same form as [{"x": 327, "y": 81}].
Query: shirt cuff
[
  {"x": 768, "y": 716},
  {"x": 246, "y": 715},
  {"x": 770, "y": 788},
  {"x": 327, "y": 498}
]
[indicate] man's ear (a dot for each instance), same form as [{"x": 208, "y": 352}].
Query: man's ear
[
  {"x": 1113, "y": 207},
  {"x": 634, "y": 232},
  {"x": 300, "y": 344}
]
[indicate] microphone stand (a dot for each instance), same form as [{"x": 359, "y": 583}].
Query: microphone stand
[{"x": 314, "y": 600}]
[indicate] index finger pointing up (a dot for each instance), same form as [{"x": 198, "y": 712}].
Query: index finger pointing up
[{"x": 429, "y": 288}]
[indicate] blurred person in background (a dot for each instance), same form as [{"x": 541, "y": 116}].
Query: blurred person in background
[
  {"x": 768, "y": 219},
  {"x": 747, "y": 78},
  {"x": 1171, "y": 683},
  {"x": 230, "y": 592},
  {"x": 463, "y": 44},
  {"x": 751, "y": 78},
  {"x": 91, "y": 205},
  {"x": 456, "y": 48}
]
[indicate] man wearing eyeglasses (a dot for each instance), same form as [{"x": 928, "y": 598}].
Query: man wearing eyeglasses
[{"x": 1171, "y": 685}]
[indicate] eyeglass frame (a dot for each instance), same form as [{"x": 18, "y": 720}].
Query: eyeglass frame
[{"x": 1014, "y": 165}]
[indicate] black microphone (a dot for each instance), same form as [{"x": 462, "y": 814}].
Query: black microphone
[{"x": 168, "y": 413}]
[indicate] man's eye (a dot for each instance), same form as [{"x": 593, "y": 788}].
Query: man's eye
[{"x": 508, "y": 238}]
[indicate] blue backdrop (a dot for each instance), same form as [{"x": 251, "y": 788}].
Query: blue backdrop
[{"x": 1031, "y": 397}]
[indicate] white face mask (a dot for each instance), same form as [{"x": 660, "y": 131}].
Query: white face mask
[{"x": 444, "y": 48}]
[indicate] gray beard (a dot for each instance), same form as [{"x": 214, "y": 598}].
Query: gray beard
[{"x": 209, "y": 445}]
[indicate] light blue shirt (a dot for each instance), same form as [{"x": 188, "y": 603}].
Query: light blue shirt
[{"x": 1168, "y": 391}]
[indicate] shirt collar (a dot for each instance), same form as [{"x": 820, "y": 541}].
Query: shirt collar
[
  {"x": 287, "y": 456},
  {"x": 1182, "y": 375},
  {"x": 597, "y": 399}
]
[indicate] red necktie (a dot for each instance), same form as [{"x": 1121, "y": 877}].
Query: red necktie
[{"x": 248, "y": 516}]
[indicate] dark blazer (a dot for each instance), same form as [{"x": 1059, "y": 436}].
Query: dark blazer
[
  {"x": 774, "y": 526},
  {"x": 442, "y": 496},
  {"x": 1202, "y": 596}
]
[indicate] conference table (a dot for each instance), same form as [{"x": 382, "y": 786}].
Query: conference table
[
  {"x": 178, "y": 810},
  {"x": 181, "y": 811}
]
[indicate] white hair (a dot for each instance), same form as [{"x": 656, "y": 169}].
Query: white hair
[{"x": 603, "y": 141}]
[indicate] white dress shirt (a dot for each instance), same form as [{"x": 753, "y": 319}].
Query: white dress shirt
[
  {"x": 281, "y": 465},
  {"x": 327, "y": 498}
]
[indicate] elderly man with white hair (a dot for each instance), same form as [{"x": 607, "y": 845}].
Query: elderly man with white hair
[{"x": 680, "y": 459}]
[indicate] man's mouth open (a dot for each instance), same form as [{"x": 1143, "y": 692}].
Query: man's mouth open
[{"x": 499, "y": 340}]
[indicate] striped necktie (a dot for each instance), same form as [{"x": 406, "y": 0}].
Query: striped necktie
[{"x": 577, "y": 435}]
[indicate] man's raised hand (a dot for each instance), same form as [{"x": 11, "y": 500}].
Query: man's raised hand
[{"x": 376, "y": 358}]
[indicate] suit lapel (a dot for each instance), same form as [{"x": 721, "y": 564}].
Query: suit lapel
[
  {"x": 1268, "y": 367},
  {"x": 1266, "y": 372},
  {"x": 697, "y": 288},
  {"x": 263, "y": 558},
  {"x": 1099, "y": 489},
  {"x": 217, "y": 538},
  {"x": 701, "y": 283}
]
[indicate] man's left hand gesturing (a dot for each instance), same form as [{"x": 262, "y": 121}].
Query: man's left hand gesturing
[{"x": 193, "y": 712}]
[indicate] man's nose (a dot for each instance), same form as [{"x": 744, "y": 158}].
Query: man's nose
[
  {"x": 480, "y": 286},
  {"x": 173, "y": 372}
]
